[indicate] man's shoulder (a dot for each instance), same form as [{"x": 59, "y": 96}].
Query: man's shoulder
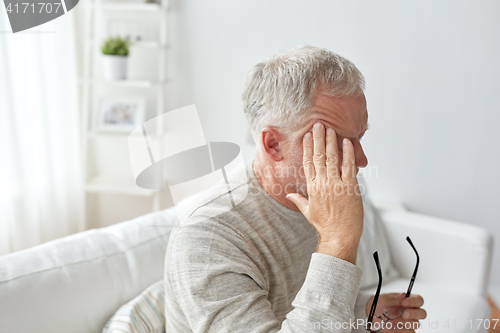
[
  {"x": 205, "y": 237},
  {"x": 226, "y": 197},
  {"x": 216, "y": 221},
  {"x": 202, "y": 232},
  {"x": 206, "y": 247},
  {"x": 200, "y": 227}
]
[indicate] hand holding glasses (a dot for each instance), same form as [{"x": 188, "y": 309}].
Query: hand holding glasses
[{"x": 391, "y": 311}]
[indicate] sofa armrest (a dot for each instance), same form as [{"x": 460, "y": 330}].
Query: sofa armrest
[{"x": 455, "y": 255}]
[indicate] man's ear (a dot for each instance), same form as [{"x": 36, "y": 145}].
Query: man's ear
[{"x": 271, "y": 140}]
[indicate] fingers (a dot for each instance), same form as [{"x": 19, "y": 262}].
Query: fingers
[
  {"x": 414, "y": 314},
  {"x": 348, "y": 162},
  {"x": 299, "y": 201},
  {"x": 332, "y": 154},
  {"x": 401, "y": 297},
  {"x": 307, "y": 161},
  {"x": 319, "y": 150},
  {"x": 414, "y": 301}
]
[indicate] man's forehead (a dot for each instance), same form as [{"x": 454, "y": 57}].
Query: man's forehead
[{"x": 347, "y": 115}]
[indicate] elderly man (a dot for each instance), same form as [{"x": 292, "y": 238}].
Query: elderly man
[{"x": 284, "y": 258}]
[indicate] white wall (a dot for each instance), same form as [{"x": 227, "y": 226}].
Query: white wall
[{"x": 432, "y": 72}]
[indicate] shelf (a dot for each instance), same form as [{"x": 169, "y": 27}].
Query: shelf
[
  {"x": 124, "y": 6},
  {"x": 124, "y": 83},
  {"x": 108, "y": 135},
  {"x": 116, "y": 185},
  {"x": 146, "y": 44}
]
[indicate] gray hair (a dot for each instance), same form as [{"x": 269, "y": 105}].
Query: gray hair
[{"x": 280, "y": 88}]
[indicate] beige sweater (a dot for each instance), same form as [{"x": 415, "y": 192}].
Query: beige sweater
[{"x": 253, "y": 268}]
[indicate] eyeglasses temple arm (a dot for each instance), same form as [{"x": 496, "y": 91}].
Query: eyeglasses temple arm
[
  {"x": 412, "y": 281},
  {"x": 377, "y": 293}
]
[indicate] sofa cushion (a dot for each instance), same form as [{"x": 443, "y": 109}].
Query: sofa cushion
[
  {"x": 76, "y": 283},
  {"x": 143, "y": 314}
]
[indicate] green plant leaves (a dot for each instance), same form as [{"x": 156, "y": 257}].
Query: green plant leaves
[{"x": 115, "y": 46}]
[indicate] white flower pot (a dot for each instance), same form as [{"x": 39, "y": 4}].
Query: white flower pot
[{"x": 114, "y": 67}]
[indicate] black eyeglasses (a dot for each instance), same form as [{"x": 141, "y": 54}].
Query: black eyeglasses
[{"x": 395, "y": 311}]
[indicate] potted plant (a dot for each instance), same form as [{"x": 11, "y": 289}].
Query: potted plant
[{"x": 114, "y": 58}]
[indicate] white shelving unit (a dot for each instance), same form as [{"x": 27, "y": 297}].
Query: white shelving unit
[
  {"x": 135, "y": 7},
  {"x": 120, "y": 184}
]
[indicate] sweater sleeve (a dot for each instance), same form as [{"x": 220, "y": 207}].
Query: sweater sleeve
[{"x": 214, "y": 277}]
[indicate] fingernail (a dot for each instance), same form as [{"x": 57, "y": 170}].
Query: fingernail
[
  {"x": 329, "y": 131},
  {"x": 318, "y": 126},
  {"x": 345, "y": 141},
  {"x": 307, "y": 136}
]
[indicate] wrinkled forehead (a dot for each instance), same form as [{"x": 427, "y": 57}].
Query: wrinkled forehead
[{"x": 348, "y": 116}]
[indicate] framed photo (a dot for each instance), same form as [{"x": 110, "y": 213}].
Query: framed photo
[{"x": 119, "y": 113}]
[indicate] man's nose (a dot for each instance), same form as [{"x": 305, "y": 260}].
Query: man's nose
[{"x": 359, "y": 154}]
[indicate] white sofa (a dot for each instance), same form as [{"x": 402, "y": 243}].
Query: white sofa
[{"x": 76, "y": 283}]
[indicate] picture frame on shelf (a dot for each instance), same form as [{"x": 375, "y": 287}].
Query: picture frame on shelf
[{"x": 119, "y": 114}]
